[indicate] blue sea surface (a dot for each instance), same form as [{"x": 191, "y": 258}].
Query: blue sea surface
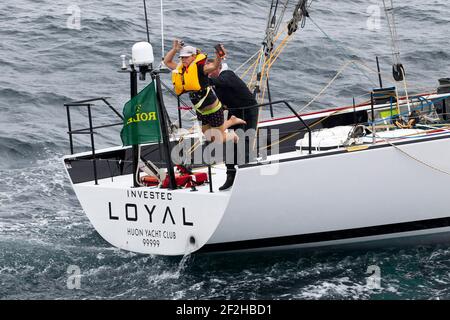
[{"x": 46, "y": 61}]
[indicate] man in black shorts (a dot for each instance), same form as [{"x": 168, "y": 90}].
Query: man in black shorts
[{"x": 235, "y": 95}]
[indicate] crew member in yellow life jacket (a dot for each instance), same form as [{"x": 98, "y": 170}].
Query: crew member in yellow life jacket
[{"x": 191, "y": 75}]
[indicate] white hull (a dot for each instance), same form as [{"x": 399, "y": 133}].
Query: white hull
[
  {"x": 302, "y": 201},
  {"x": 130, "y": 219}
]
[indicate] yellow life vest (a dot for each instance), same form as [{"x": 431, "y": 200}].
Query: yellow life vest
[{"x": 187, "y": 81}]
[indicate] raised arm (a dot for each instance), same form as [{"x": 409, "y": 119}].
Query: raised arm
[{"x": 168, "y": 59}]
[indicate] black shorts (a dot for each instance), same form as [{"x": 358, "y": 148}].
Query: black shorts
[{"x": 214, "y": 120}]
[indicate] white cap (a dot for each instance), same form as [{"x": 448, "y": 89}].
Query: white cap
[{"x": 187, "y": 51}]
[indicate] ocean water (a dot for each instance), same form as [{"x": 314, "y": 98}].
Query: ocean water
[{"x": 44, "y": 63}]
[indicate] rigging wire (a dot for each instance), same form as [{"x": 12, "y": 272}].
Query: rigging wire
[
  {"x": 264, "y": 64},
  {"x": 270, "y": 54},
  {"x": 273, "y": 26},
  {"x": 247, "y": 61},
  {"x": 271, "y": 23},
  {"x": 334, "y": 42},
  {"x": 269, "y": 40},
  {"x": 390, "y": 18},
  {"x": 280, "y": 19},
  {"x": 146, "y": 22},
  {"x": 326, "y": 86},
  {"x": 162, "y": 29},
  {"x": 185, "y": 105},
  {"x": 398, "y": 70}
]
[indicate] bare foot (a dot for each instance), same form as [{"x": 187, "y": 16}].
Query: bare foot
[{"x": 235, "y": 120}]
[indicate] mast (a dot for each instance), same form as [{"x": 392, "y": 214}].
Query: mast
[
  {"x": 269, "y": 54},
  {"x": 274, "y": 21},
  {"x": 267, "y": 44},
  {"x": 267, "y": 47},
  {"x": 162, "y": 31},
  {"x": 146, "y": 22}
]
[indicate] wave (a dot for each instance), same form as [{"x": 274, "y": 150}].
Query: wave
[
  {"x": 25, "y": 151},
  {"x": 45, "y": 64},
  {"x": 22, "y": 96}
]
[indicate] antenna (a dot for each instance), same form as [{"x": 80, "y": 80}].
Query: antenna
[
  {"x": 379, "y": 73},
  {"x": 162, "y": 29},
  {"x": 146, "y": 22}
]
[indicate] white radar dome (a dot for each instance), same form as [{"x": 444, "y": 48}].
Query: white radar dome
[{"x": 142, "y": 54}]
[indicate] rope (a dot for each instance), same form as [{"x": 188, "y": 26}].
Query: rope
[
  {"x": 184, "y": 104},
  {"x": 326, "y": 86},
  {"x": 248, "y": 60},
  {"x": 392, "y": 31},
  {"x": 419, "y": 105},
  {"x": 411, "y": 156},
  {"x": 345, "y": 66},
  {"x": 254, "y": 73},
  {"x": 384, "y": 139},
  {"x": 297, "y": 133},
  {"x": 315, "y": 124},
  {"x": 406, "y": 88},
  {"x": 280, "y": 19},
  {"x": 194, "y": 147},
  {"x": 278, "y": 51},
  {"x": 269, "y": 63},
  {"x": 389, "y": 79},
  {"x": 252, "y": 65}
]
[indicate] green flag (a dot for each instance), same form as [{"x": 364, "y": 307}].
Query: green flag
[{"x": 141, "y": 121}]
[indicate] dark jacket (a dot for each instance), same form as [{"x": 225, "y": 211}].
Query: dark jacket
[{"x": 232, "y": 91}]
